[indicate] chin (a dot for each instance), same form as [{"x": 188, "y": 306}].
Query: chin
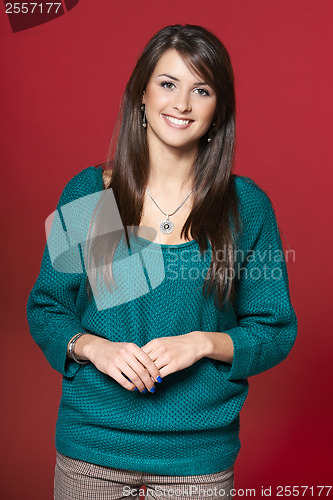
[
  {"x": 174, "y": 140},
  {"x": 181, "y": 144}
]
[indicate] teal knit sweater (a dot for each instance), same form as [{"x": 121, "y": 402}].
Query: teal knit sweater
[{"x": 190, "y": 424}]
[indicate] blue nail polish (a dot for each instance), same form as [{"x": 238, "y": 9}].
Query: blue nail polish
[
  {"x": 159, "y": 379},
  {"x": 144, "y": 391},
  {"x": 152, "y": 389},
  {"x": 136, "y": 389}
]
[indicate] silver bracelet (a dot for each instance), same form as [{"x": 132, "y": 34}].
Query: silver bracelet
[{"x": 71, "y": 349}]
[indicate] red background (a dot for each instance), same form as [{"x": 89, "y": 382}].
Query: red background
[{"x": 61, "y": 86}]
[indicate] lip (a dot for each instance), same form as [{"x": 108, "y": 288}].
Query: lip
[{"x": 174, "y": 125}]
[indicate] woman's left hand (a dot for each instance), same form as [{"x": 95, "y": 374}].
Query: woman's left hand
[{"x": 171, "y": 354}]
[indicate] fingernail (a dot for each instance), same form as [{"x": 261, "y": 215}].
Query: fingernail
[
  {"x": 159, "y": 379},
  {"x": 144, "y": 391},
  {"x": 136, "y": 389},
  {"x": 152, "y": 389}
]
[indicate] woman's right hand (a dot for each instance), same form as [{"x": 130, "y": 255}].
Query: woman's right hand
[{"x": 117, "y": 359}]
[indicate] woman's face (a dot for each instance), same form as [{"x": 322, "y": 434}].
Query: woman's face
[{"x": 174, "y": 93}]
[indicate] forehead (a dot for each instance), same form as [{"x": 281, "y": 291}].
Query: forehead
[{"x": 172, "y": 62}]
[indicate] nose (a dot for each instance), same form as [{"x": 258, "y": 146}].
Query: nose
[{"x": 182, "y": 103}]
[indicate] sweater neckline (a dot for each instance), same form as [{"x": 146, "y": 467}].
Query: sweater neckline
[{"x": 153, "y": 244}]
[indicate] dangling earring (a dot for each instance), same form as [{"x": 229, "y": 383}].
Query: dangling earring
[
  {"x": 209, "y": 139},
  {"x": 143, "y": 108}
]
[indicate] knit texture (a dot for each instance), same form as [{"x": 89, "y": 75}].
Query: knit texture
[{"x": 190, "y": 425}]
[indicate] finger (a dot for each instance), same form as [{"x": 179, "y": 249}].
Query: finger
[
  {"x": 152, "y": 368},
  {"x": 122, "y": 380},
  {"x": 127, "y": 363},
  {"x": 147, "y": 348},
  {"x": 139, "y": 375},
  {"x": 145, "y": 361},
  {"x": 160, "y": 359},
  {"x": 135, "y": 388},
  {"x": 136, "y": 372}
]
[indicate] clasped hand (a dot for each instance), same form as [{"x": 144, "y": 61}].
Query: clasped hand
[{"x": 132, "y": 366}]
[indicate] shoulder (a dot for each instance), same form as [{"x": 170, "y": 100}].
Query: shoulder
[
  {"x": 252, "y": 197},
  {"x": 248, "y": 189},
  {"x": 88, "y": 180},
  {"x": 89, "y": 175},
  {"x": 255, "y": 206}
]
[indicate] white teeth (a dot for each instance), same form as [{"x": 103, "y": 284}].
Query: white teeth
[{"x": 176, "y": 121}]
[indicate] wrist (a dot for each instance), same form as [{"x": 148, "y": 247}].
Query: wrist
[
  {"x": 79, "y": 349},
  {"x": 88, "y": 345},
  {"x": 203, "y": 343},
  {"x": 217, "y": 345}
]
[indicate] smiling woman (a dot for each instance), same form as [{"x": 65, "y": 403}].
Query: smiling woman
[
  {"x": 155, "y": 368},
  {"x": 178, "y": 104}
]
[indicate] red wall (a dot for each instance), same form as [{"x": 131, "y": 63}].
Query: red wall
[{"x": 60, "y": 87}]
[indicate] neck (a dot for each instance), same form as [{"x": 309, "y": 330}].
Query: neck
[{"x": 170, "y": 170}]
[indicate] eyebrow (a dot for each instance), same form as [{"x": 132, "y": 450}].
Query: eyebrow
[{"x": 177, "y": 79}]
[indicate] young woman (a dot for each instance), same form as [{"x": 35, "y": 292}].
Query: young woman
[{"x": 176, "y": 293}]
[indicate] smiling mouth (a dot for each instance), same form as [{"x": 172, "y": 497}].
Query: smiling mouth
[{"x": 176, "y": 121}]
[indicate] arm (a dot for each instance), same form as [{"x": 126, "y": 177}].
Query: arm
[
  {"x": 267, "y": 324},
  {"x": 52, "y": 312},
  {"x": 215, "y": 345},
  {"x": 53, "y": 306}
]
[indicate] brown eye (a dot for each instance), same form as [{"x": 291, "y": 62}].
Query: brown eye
[
  {"x": 165, "y": 85},
  {"x": 206, "y": 93}
]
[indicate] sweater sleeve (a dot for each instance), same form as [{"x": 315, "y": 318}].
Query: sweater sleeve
[
  {"x": 266, "y": 321},
  {"x": 51, "y": 309}
]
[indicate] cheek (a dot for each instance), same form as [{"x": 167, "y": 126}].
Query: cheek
[
  {"x": 211, "y": 110},
  {"x": 207, "y": 110},
  {"x": 156, "y": 99}
]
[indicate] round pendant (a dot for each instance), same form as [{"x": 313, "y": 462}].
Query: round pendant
[{"x": 166, "y": 226}]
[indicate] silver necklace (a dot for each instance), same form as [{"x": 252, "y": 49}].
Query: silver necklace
[{"x": 166, "y": 225}]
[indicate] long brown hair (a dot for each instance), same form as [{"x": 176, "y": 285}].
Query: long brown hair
[{"x": 215, "y": 214}]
